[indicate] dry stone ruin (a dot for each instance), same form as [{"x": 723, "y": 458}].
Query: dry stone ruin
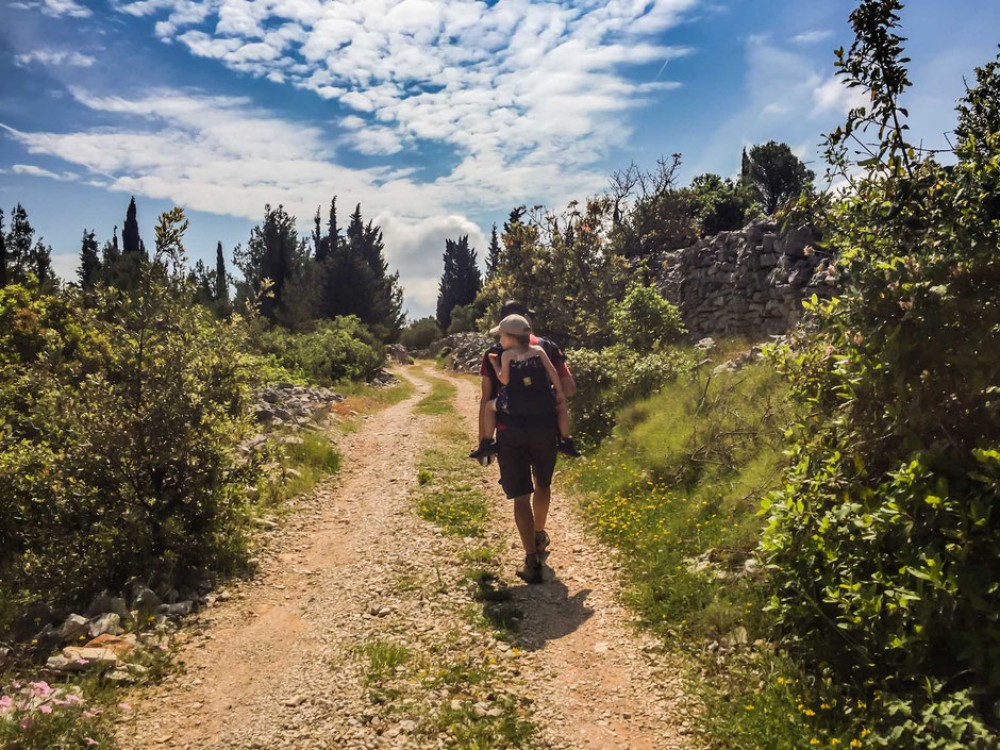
[{"x": 746, "y": 283}]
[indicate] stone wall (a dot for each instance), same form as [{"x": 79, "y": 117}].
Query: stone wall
[{"x": 747, "y": 283}]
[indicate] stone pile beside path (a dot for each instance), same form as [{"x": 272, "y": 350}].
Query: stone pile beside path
[{"x": 281, "y": 405}]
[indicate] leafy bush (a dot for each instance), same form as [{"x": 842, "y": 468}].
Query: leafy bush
[
  {"x": 644, "y": 321},
  {"x": 607, "y": 379},
  {"x": 121, "y": 416},
  {"x": 338, "y": 350},
  {"x": 884, "y": 541},
  {"x": 420, "y": 334},
  {"x": 463, "y": 318}
]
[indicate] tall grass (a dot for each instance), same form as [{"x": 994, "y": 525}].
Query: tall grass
[{"x": 677, "y": 488}]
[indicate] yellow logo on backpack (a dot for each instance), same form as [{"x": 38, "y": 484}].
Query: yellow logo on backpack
[{"x": 526, "y": 381}]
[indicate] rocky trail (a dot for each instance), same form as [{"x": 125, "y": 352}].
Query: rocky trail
[{"x": 362, "y": 631}]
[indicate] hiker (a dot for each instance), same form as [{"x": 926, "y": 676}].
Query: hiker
[
  {"x": 493, "y": 392},
  {"x": 526, "y": 444}
]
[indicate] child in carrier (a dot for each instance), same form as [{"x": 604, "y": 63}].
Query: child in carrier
[{"x": 529, "y": 382}]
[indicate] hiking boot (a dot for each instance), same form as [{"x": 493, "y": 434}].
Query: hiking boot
[
  {"x": 568, "y": 447},
  {"x": 542, "y": 542},
  {"x": 531, "y": 571},
  {"x": 484, "y": 453}
]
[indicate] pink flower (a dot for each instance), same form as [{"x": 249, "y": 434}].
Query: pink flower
[
  {"x": 5, "y": 703},
  {"x": 90, "y": 741},
  {"x": 26, "y": 723},
  {"x": 73, "y": 698},
  {"x": 45, "y": 708},
  {"x": 124, "y": 706},
  {"x": 41, "y": 689}
]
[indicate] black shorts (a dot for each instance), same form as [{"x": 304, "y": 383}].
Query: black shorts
[{"x": 522, "y": 452}]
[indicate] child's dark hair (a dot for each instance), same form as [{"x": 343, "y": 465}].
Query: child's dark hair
[{"x": 524, "y": 339}]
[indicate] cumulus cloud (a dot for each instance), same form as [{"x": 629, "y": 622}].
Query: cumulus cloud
[
  {"x": 55, "y": 57},
  {"x": 223, "y": 155},
  {"x": 514, "y": 83}
]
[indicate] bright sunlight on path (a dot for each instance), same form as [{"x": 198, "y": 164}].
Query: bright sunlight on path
[
  {"x": 362, "y": 630},
  {"x": 598, "y": 683}
]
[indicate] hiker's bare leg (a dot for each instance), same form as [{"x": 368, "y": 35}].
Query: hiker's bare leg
[
  {"x": 489, "y": 420},
  {"x": 484, "y": 399},
  {"x": 525, "y": 521},
  {"x": 540, "y": 504}
]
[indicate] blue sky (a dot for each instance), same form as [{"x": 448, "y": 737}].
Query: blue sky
[{"x": 438, "y": 116}]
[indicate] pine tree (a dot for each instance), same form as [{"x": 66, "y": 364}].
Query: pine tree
[
  {"x": 40, "y": 263},
  {"x": 24, "y": 256},
  {"x": 460, "y": 281},
  {"x": 221, "y": 281},
  {"x": 19, "y": 242},
  {"x": 776, "y": 174},
  {"x": 493, "y": 256},
  {"x": 90, "y": 261},
  {"x": 130, "y": 232}
]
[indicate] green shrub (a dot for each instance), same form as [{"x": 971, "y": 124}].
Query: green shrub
[
  {"x": 337, "y": 350},
  {"x": 884, "y": 541},
  {"x": 420, "y": 334},
  {"x": 121, "y": 414},
  {"x": 607, "y": 379},
  {"x": 644, "y": 321}
]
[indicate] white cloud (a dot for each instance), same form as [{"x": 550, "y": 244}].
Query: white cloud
[
  {"x": 416, "y": 247},
  {"x": 222, "y": 155},
  {"x": 55, "y": 57},
  {"x": 786, "y": 92},
  {"x": 518, "y": 84},
  {"x": 70, "y": 8},
  {"x": 811, "y": 37},
  {"x": 65, "y": 265},
  {"x": 833, "y": 95},
  {"x": 33, "y": 171}
]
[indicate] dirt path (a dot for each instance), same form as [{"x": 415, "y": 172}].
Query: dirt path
[
  {"x": 355, "y": 580},
  {"x": 604, "y": 685}
]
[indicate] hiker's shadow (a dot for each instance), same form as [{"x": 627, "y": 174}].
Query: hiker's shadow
[{"x": 547, "y": 611}]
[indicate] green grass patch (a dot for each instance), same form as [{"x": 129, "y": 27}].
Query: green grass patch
[
  {"x": 677, "y": 488},
  {"x": 441, "y": 399},
  {"x": 448, "y": 492},
  {"x": 383, "y": 658},
  {"x": 304, "y": 460}
]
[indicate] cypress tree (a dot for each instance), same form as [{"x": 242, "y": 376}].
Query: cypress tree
[
  {"x": 130, "y": 232},
  {"x": 318, "y": 238},
  {"x": 221, "y": 282},
  {"x": 273, "y": 252},
  {"x": 90, "y": 262},
  {"x": 333, "y": 233},
  {"x": 3, "y": 254},
  {"x": 493, "y": 255},
  {"x": 460, "y": 281},
  {"x": 111, "y": 253}
]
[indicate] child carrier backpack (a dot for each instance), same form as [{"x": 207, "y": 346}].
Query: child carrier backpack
[{"x": 529, "y": 392}]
